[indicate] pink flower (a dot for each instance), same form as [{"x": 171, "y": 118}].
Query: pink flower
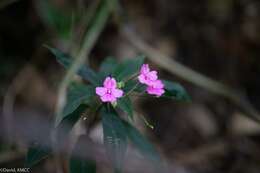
[
  {"x": 109, "y": 92},
  {"x": 156, "y": 88},
  {"x": 150, "y": 78},
  {"x": 146, "y": 76}
]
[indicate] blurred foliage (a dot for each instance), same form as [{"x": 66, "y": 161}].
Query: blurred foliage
[{"x": 57, "y": 18}]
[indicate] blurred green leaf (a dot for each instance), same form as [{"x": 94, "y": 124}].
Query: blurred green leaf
[
  {"x": 125, "y": 104},
  {"x": 82, "y": 164},
  {"x": 142, "y": 144},
  {"x": 107, "y": 67},
  {"x": 67, "y": 123},
  {"x": 128, "y": 68},
  {"x": 35, "y": 154},
  {"x": 76, "y": 95},
  {"x": 56, "y": 18},
  {"x": 175, "y": 91},
  {"x": 115, "y": 138},
  {"x": 85, "y": 72}
]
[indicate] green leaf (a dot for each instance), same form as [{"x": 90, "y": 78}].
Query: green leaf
[
  {"x": 115, "y": 138},
  {"x": 128, "y": 68},
  {"x": 107, "y": 67},
  {"x": 65, "y": 126},
  {"x": 125, "y": 104},
  {"x": 81, "y": 164},
  {"x": 175, "y": 91},
  {"x": 142, "y": 144},
  {"x": 76, "y": 95},
  {"x": 35, "y": 154},
  {"x": 85, "y": 72}
]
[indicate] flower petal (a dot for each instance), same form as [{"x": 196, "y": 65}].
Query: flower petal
[
  {"x": 145, "y": 69},
  {"x": 155, "y": 91},
  {"x": 157, "y": 84},
  {"x": 152, "y": 75},
  {"x": 101, "y": 91},
  {"x": 117, "y": 93},
  {"x": 109, "y": 82},
  {"x": 108, "y": 98},
  {"x": 141, "y": 78}
]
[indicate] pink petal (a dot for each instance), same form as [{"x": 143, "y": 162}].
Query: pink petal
[
  {"x": 145, "y": 69},
  {"x": 157, "y": 84},
  {"x": 109, "y": 82},
  {"x": 141, "y": 78},
  {"x": 101, "y": 91},
  {"x": 160, "y": 92},
  {"x": 108, "y": 98},
  {"x": 149, "y": 82},
  {"x": 146, "y": 76},
  {"x": 152, "y": 75},
  {"x": 155, "y": 91},
  {"x": 117, "y": 93}
]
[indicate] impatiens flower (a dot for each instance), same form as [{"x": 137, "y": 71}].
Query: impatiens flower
[
  {"x": 146, "y": 76},
  {"x": 109, "y": 92},
  {"x": 156, "y": 88}
]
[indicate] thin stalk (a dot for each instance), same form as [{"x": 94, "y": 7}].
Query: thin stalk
[
  {"x": 89, "y": 42},
  {"x": 86, "y": 19},
  {"x": 131, "y": 77},
  {"x": 129, "y": 92},
  {"x": 190, "y": 75},
  {"x": 146, "y": 122}
]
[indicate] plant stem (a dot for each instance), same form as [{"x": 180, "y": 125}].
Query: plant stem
[
  {"x": 131, "y": 77},
  {"x": 88, "y": 43},
  {"x": 190, "y": 75},
  {"x": 129, "y": 92}
]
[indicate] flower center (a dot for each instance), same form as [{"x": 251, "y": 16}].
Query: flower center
[{"x": 109, "y": 91}]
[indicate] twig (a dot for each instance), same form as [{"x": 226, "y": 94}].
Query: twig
[
  {"x": 190, "y": 75},
  {"x": 202, "y": 154},
  {"x": 9, "y": 99},
  {"x": 88, "y": 15},
  {"x": 89, "y": 42}
]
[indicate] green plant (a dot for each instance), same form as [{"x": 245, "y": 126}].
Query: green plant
[{"x": 118, "y": 130}]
